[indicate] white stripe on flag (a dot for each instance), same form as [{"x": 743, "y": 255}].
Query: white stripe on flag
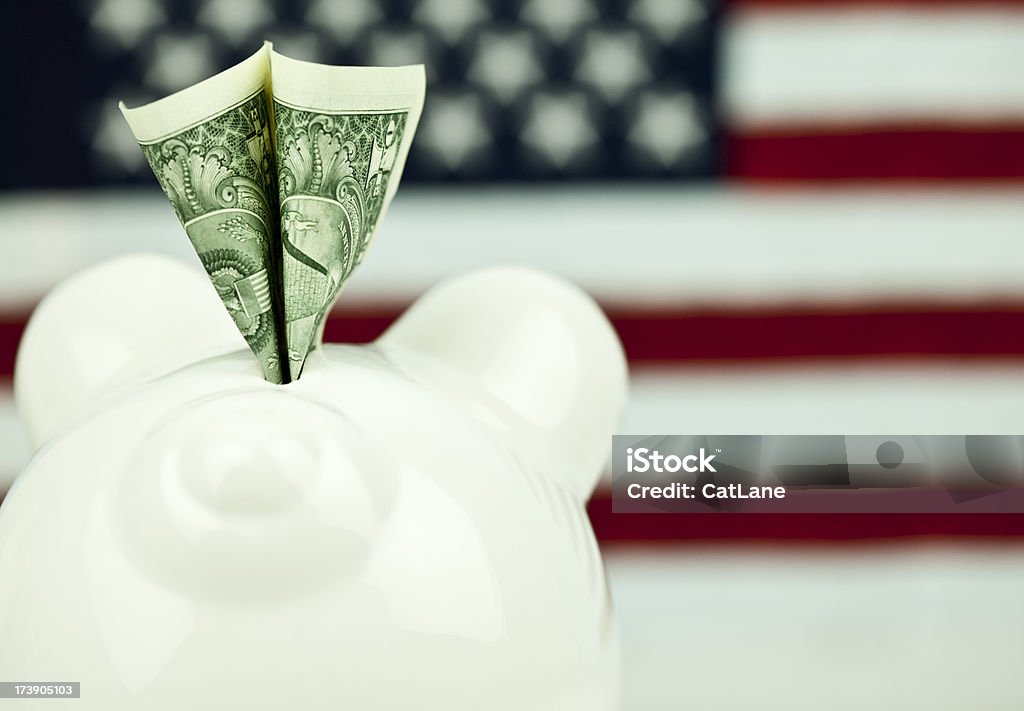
[
  {"x": 840, "y": 65},
  {"x": 632, "y": 244},
  {"x": 870, "y": 400},
  {"x": 828, "y": 399},
  {"x": 912, "y": 629}
]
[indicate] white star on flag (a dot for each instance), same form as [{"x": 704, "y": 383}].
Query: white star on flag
[
  {"x": 451, "y": 19},
  {"x": 668, "y": 19},
  {"x": 453, "y": 129},
  {"x": 559, "y": 18},
  {"x": 559, "y": 127},
  {"x": 299, "y": 44},
  {"x": 344, "y": 19},
  {"x": 613, "y": 62},
  {"x": 126, "y": 21},
  {"x": 235, "y": 20},
  {"x": 178, "y": 60},
  {"x": 666, "y": 127},
  {"x": 505, "y": 63},
  {"x": 392, "y": 48},
  {"x": 113, "y": 141}
]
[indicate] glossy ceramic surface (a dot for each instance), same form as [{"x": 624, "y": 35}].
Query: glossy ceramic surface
[{"x": 402, "y": 528}]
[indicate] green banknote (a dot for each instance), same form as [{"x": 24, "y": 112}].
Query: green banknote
[
  {"x": 280, "y": 171},
  {"x": 211, "y": 149},
  {"x": 341, "y": 136}
]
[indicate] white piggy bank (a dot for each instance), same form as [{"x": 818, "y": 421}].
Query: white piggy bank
[{"x": 402, "y": 528}]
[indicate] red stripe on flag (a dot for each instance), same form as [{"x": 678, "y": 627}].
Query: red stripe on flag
[
  {"x": 699, "y": 528},
  {"x": 877, "y": 153},
  {"x": 10, "y": 335},
  {"x": 682, "y": 335},
  {"x": 771, "y": 334}
]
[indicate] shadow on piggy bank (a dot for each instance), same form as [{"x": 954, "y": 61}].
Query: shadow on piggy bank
[{"x": 401, "y": 528}]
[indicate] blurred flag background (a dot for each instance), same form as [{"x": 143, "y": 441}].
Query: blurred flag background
[
  {"x": 752, "y": 90},
  {"x": 802, "y": 216}
]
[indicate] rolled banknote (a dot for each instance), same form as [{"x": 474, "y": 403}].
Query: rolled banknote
[
  {"x": 280, "y": 172},
  {"x": 211, "y": 149},
  {"x": 341, "y": 137}
]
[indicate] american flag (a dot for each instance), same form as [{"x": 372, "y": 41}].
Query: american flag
[
  {"x": 802, "y": 216},
  {"x": 519, "y": 90},
  {"x": 752, "y": 90}
]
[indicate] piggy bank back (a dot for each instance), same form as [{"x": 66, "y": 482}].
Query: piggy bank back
[{"x": 401, "y": 528}]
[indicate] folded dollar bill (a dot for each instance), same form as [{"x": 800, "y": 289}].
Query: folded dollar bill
[{"x": 280, "y": 172}]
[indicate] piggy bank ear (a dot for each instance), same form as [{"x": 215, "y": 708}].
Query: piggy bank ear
[
  {"x": 123, "y": 321},
  {"x": 542, "y": 352}
]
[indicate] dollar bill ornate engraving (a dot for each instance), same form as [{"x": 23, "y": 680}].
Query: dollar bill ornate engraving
[
  {"x": 281, "y": 193},
  {"x": 333, "y": 172},
  {"x": 341, "y": 138},
  {"x": 217, "y": 170}
]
